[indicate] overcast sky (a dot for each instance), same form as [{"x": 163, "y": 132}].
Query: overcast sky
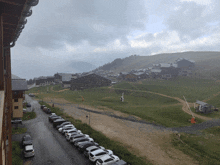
[{"x": 99, "y": 31}]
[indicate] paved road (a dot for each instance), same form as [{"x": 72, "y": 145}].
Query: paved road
[{"x": 50, "y": 146}]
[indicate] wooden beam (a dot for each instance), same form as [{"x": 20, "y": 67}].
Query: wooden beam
[
  {"x": 2, "y": 79},
  {"x": 11, "y": 3},
  {"x": 11, "y": 15},
  {"x": 9, "y": 103},
  {"x": 11, "y": 24}
]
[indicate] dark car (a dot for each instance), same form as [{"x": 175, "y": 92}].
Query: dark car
[
  {"x": 83, "y": 139},
  {"x": 51, "y": 119},
  {"x": 58, "y": 122},
  {"x": 120, "y": 162},
  {"x": 48, "y": 111},
  {"x": 16, "y": 121},
  {"x": 31, "y": 95},
  {"x": 42, "y": 106},
  {"x": 26, "y": 140},
  {"x": 52, "y": 115},
  {"x": 28, "y": 105},
  {"x": 64, "y": 123},
  {"x": 82, "y": 147}
]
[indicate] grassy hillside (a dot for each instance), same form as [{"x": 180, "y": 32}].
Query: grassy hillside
[
  {"x": 150, "y": 107},
  {"x": 192, "y": 89},
  {"x": 207, "y": 63}
]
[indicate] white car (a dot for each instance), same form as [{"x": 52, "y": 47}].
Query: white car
[
  {"x": 107, "y": 159},
  {"x": 95, "y": 155},
  {"x": 73, "y": 139},
  {"x": 28, "y": 151},
  {"x": 73, "y": 133},
  {"x": 69, "y": 131},
  {"x": 65, "y": 126},
  {"x": 91, "y": 149}
]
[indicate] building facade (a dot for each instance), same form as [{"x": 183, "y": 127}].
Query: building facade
[
  {"x": 89, "y": 81},
  {"x": 19, "y": 86}
]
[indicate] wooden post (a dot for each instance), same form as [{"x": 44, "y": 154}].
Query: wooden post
[
  {"x": 2, "y": 80},
  {"x": 9, "y": 103}
]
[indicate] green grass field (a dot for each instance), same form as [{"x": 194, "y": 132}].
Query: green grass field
[
  {"x": 150, "y": 107},
  {"x": 192, "y": 89},
  {"x": 204, "y": 148}
]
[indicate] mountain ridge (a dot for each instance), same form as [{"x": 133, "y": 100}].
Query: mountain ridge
[{"x": 206, "y": 62}]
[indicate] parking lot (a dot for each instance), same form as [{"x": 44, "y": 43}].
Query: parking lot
[{"x": 49, "y": 145}]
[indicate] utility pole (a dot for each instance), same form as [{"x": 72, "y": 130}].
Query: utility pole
[{"x": 89, "y": 117}]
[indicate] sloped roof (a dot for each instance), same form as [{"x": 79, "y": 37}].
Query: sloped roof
[
  {"x": 19, "y": 85},
  {"x": 180, "y": 59},
  {"x": 15, "y": 77},
  {"x": 164, "y": 65},
  {"x": 66, "y": 77},
  {"x": 201, "y": 103},
  {"x": 156, "y": 70}
]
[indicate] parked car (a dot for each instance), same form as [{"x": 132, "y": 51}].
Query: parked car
[
  {"x": 29, "y": 151},
  {"x": 78, "y": 141},
  {"x": 31, "y": 95},
  {"x": 58, "y": 122},
  {"x": 95, "y": 155},
  {"x": 91, "y": 149},
  {"x": 48, "y": 111},
  {"x": 82, "y": 141},
  {"x": 120, "y": 162},
  {"x": 42, "y": 106},
  {"x": 69, "y": 128},
  {"x": 28, "y": 105},
  {"x": 26, "y": 140},
  {"x": 24, "y": 110},
  {"x": 107, "y": 159},
  {"x": 84, "y": 145},
  {"x": 16, "y": 121},
  {"x": 64, "y": 123},
  {"x": 52, "y": 115},
  {"x": 51, "y": 119},
  {"x": 65, "y": 126},
  {"x": 74, "y": 138},
  {"x": 70, "y": 134}
]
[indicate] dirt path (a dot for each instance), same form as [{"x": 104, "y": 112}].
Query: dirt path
[
  {"x": 141, "y": 139},
  {"x": 59, "y": 90},
  {"x": 184, "y": 105}
]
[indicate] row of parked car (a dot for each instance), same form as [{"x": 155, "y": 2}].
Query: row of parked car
[
  {"x": 45, "y": 109},
  {"x": 28, "y": 146},
  {"x": 84, "y": 143}
]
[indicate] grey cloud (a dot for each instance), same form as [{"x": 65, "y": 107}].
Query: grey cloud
[
  {"x": 96, "y": 21},
  {"x": 191, "y": 20},
  {"x": 187, "y": 20}
]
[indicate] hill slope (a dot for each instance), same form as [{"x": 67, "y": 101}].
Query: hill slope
[{"x": 207, "y": 63}]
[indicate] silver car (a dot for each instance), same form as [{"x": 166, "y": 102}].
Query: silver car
[{"x": 28, "y": 151}]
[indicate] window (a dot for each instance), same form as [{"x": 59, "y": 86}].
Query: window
[
  {"x": 16, "y": 107},
  {"x": 15, "y": 100},
  {"x": 108, "y": 160}
]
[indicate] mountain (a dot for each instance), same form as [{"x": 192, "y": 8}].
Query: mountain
[
  {"x": 206, "y": 62},
  {"x": 81, "y": 66}
]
